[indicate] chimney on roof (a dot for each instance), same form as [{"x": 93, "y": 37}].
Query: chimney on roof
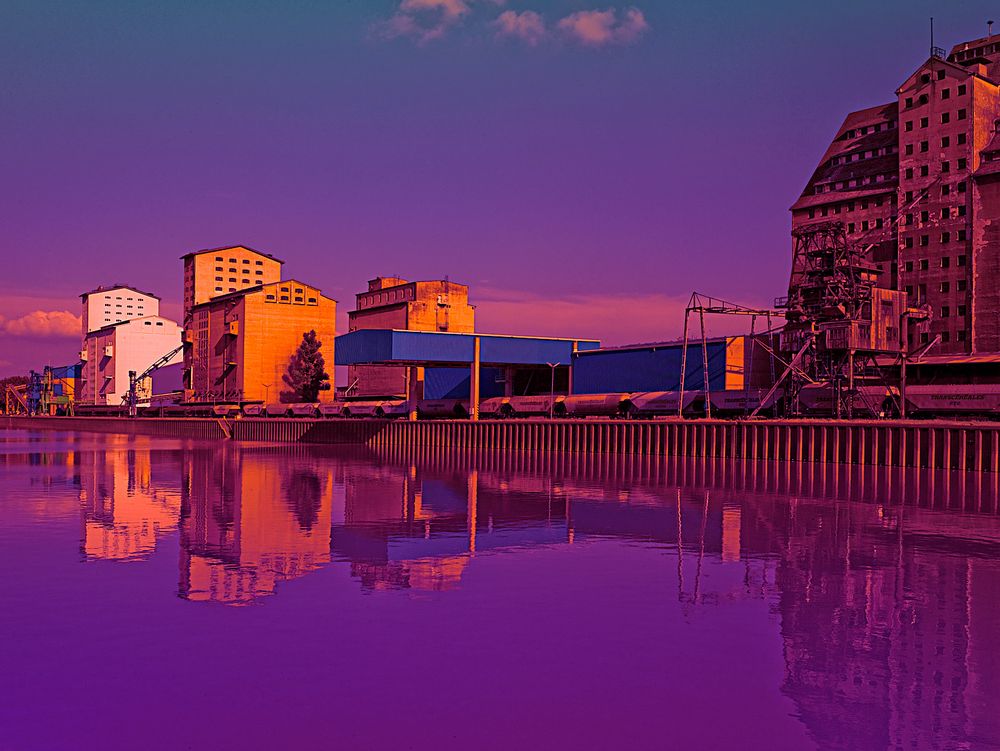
[{"x": 989, "y": 29}]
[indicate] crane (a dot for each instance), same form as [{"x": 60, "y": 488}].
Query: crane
[{"x": 131, "y": 398}]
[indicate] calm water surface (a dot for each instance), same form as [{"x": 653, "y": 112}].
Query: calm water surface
[{"x": 163, "y": 594}]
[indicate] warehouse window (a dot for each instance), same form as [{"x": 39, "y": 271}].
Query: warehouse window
[
  {"x": 924, "y": 170},
  {"x": 945, "y": 287},
  {"x": 960, "y": 285},
  {"x": 945, "y": 118},
  {"x": 908, "y": 173},
  {"x": 961, "y": 335},
  {"x": 945, "y": 237},
  {"x": 961, "y": 311},
  {"x": 961, "y": 114},
  {"x": 908, "y": 126},
  {"x": 961, "y": 259},
  {"x": 961, "y": 89},
  {"x": 945, "y": 311},
  {"x": 945, "y": 336},
  {"x": 908, "y": 266},
  {"x": 924, "y": 265},
  {"x": 924, "y": 122},
  {"x": 218, "y": 289},
  {"x": 259, "y": 263},
  {"x": 909, "y": 101},
  {"x": 218, "y": 278},
  {"x": 246, "y": 260},
  {"x": 270, "y": 298}
]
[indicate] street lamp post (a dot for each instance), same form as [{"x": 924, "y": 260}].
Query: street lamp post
[{"x": 552, "y": 387}]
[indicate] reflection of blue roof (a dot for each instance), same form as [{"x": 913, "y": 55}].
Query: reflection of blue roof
[{"x": 369, "y": 346}]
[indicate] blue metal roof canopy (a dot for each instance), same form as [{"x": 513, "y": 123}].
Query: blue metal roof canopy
[{"x": 422, "y": 348}]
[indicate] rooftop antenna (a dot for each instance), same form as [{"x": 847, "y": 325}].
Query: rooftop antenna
[{"x": 932, "y": 36}]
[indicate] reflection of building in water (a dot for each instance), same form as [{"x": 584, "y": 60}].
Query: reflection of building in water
[
  {"x": 882, "y": 616},
  {"x": 129, "y": 500},
  {"x": 415, "y": 529},
  {"x": 250, "y": 521}
]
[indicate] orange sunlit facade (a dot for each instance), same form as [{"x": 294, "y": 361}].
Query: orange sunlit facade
[
  {"x": 394, "y": 303},
  {"x": 238, "y": 346}
]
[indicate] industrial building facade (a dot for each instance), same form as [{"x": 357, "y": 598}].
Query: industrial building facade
[
  {"x": 111, "y": 352},
  {"x": 916, "y": 184},
  {"x": 220, "y": 271},
  {"x": 394, "y": 303},
  {"x": 243, "y": 323},
  {"x": 108, "y": 305},
  {"x": 238, "y": 346}
]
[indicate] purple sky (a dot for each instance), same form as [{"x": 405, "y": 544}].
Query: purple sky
[{"x": 583, "y": 172}]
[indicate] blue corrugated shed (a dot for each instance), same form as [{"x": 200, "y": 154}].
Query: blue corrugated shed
[
  {"x": 370, "y": 346},
  {"x": 647, "y": 368},
  {"x": 453, "y": 383}
]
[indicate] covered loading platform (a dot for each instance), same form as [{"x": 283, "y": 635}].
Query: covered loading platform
[{"x": 417, "y": 350}]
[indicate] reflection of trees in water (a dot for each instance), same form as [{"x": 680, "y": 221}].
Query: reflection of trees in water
[{"x": 302, "y": 491}]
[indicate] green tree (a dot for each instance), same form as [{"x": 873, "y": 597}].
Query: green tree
[{"x": 306, "y": 375}]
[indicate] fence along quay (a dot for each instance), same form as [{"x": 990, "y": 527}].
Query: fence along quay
[{"x": 896, "y": 443}]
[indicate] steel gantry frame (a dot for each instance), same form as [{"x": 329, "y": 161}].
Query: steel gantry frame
[{"x": 701, "y": 304}]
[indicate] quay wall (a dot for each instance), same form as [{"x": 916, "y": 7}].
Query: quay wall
[{"x": 927, "y": 444}]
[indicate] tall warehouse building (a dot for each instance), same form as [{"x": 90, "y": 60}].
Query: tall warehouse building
[
  {"x": 394, "y": 303},
  {"x": 916, "y": 183},
  {"x": 220, "y": 271},
  {"x": 105, "y": 306}
]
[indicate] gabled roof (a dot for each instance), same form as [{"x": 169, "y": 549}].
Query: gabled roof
[
  {"x": 254, "y": 289},
  {"x": 960, "y": 69},
  {"x": 230, "y": 247},
  {"x": 130, "y": 321},
  {"x": 841, "y": 145},
  {"x": 113, "y": 287}
]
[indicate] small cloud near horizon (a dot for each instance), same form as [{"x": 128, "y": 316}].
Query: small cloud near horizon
[
  {"x": 42, "y": 324},
  {"x": 614, "y": 319}
]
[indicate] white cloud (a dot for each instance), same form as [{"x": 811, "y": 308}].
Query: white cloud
[
  {"x": 600, "y": 28},
  {"x": 528, "y": 26},
  {"x": 42, "y": 324},
  {"x": 426, "y": 20}
]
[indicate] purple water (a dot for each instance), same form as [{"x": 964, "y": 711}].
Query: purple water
[{"x": 163, "y": 594}]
